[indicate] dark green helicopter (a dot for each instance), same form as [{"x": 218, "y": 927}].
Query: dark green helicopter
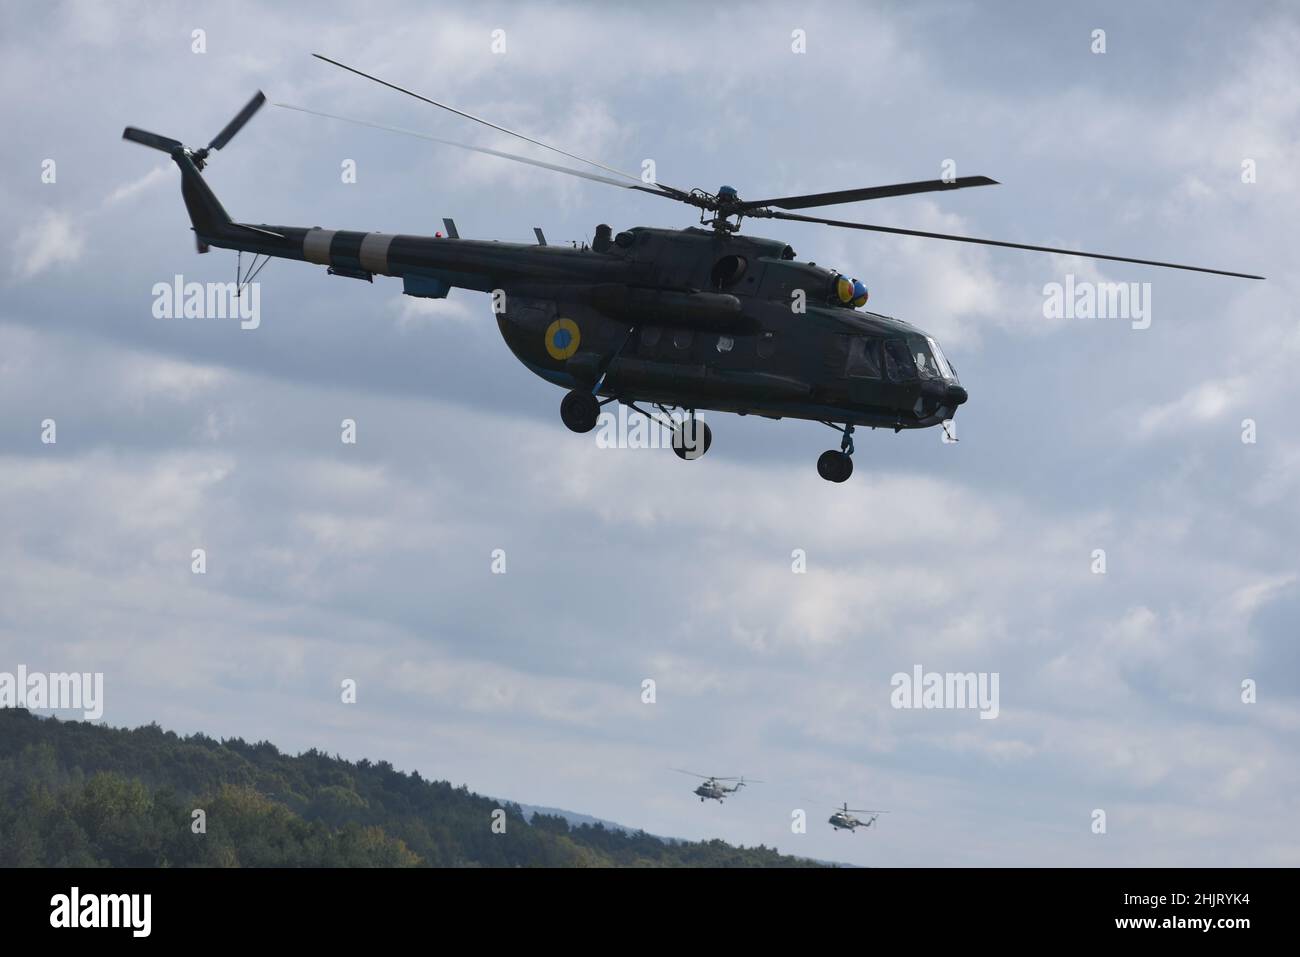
[{"x": 684, "y": 320}]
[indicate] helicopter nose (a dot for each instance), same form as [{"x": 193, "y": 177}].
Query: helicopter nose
[{"x": 956, "y": 394}]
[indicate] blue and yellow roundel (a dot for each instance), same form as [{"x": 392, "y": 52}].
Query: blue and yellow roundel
[{"x": 562, "y": 338}]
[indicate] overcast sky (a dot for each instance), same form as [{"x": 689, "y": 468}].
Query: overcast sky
[{"x": 1119, "y": 691}]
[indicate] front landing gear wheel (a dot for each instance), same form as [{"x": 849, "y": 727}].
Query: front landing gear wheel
[
  {"x": 579, "y": 411},
  {"x": 834, "y": 466},
  {"x": 691, "y": 439}
]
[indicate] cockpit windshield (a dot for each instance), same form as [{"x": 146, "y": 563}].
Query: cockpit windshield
[
  {"x": 941, "y": 360},
  {"x": 930, "y": 360}
]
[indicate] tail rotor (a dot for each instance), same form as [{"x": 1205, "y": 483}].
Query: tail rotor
[
  {"x": 168, "y": 145},
  {"x": 237, "y": 124},
  {"x": 152, "y": 140}
]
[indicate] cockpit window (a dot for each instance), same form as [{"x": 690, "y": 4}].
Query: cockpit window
[
  {"x": 864, "y": 358},
  {"x": 899, "y": 364},
  {"x": 926, "y": 366}
]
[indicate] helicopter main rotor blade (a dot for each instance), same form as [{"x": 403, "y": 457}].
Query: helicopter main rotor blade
[
  {"x": 794, "y": 217},
  {"x": 870, "y": 192},
  {"x": 488, "y": 123},
  {"x": 541, "y": 164}
]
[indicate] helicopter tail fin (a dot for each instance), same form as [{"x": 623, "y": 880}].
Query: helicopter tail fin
[{"x": 207, "y": 215}]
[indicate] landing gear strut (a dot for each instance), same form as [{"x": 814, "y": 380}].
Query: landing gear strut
[
  {"x": 579, "y": 411},
  {"x": 837, "y": 466}
]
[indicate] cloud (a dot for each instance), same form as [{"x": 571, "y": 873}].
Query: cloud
[
  {"x": 53, "y": 239},
  {"x": 1204, "y": 403},
  {"x": 413, "y": 312}
]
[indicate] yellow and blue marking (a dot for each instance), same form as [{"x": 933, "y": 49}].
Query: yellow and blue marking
[{"x": 562, "y": 338}]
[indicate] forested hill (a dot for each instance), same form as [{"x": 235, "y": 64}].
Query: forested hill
[{"x": 79, "y": 795}]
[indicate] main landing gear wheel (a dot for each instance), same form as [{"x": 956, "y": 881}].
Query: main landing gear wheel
[
  {"x": 691, "y": 439},
  {"x": 579, "y": 411},
  {"x": 837, "y": 466},
  {"x": 834, "y": 466}
]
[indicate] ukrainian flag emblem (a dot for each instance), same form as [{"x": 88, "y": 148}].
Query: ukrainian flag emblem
[{"x": 562, "y": 338}]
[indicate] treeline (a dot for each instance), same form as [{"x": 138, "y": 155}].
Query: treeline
[{"x": 74, "y": 794}]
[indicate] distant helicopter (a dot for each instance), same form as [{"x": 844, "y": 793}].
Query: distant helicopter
[
  {"x": 685, "y": 320},
  {"x": 843, "y": 819},
  {"x": 714, "y": 788}
]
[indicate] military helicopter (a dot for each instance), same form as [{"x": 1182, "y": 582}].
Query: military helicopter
[
  {"x": 715, "y": 788},
  {"x": 700, "y": 318},
  {"x": 843, "y": 819}
]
